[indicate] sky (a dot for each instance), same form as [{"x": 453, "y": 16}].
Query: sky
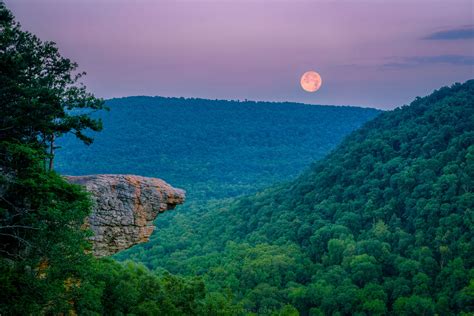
[{"x": 371, "y": 53}]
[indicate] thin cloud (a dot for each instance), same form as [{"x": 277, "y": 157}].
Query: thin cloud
[
  {"x": 414, "y": 61},
  {"x": 461, "y": 33}
]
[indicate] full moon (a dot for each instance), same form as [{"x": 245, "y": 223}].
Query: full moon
[{"x": 311, "y": 81}]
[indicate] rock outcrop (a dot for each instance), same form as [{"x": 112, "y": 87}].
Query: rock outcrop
[{"x": 124, "y": 208}]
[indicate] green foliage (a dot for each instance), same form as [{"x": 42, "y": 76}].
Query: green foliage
[
  {"x": 129, "y": 288},
  {"x": 382, "y": 225},
  {"x": 42, "y": 245},
  {"x": 41, "y": 96},
  {"x": 210, "y": 148},
  {"x": 45, "y": 265},
  {"x": 239, "y": 147}
]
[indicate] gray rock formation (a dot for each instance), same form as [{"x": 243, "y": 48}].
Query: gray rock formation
[{"x": 124, "y": 208}]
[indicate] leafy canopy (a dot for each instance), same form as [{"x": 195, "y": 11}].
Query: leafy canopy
[
  {"x": 41, "y": 95},
  {"x": 45, "y": 265},
  {"x": 382, "y": 225}
]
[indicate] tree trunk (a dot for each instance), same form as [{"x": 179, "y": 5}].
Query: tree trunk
[{"x": 51, "y": 154}]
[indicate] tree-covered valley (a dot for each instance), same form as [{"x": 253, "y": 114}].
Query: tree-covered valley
[
  {"x": 381, "y": 225},
  {"x": 291, "y": 209},
  {"x": 211, "y": 148}
]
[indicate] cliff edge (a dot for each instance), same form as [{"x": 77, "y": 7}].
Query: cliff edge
[{"x": 124, "y": 208}]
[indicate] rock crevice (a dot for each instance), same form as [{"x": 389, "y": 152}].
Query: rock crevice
[{"x": 125, "y": 207}]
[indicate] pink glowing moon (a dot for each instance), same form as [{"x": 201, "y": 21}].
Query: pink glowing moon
[{"x": 311, "y": 81}]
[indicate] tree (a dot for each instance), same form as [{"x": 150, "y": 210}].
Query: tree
[
  {"x": 414, "y": 305},
  {"x": 41, "y": 95},
  {"x": 43, "y": 247},
  {"x": 41, "y": 98}
]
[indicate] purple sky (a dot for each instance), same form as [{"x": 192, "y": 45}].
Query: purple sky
[{"x": 379, "y": 53}]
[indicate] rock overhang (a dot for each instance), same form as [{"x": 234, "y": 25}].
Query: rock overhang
[{"x": 125, "y": 207}]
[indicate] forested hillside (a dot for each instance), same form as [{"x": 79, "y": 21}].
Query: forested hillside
[
  {"x": 383, "y": 224},
  {"x": 46, "y": 266},
  {"x": 212, "y": 149}
]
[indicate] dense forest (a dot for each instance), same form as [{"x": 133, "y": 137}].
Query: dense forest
[
  {"x": 210, "y": 148},
  {"x": 383, "y": 224},
  {"x": 45, "y": 263}
]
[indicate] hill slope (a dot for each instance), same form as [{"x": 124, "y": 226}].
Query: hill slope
[
  {"x": 383, "y": 224},
  {"x": 212, "y": 149}
]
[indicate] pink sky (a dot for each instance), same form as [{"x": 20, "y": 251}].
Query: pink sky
[{"x": 369, "y": 53}]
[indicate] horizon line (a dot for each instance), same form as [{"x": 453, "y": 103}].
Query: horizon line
[{"x": 250, "y": 101}]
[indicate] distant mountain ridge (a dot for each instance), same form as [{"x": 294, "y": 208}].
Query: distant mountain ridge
[
  {"x": 212, "y": 149},
  {"x": 200, "y": 101}
]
